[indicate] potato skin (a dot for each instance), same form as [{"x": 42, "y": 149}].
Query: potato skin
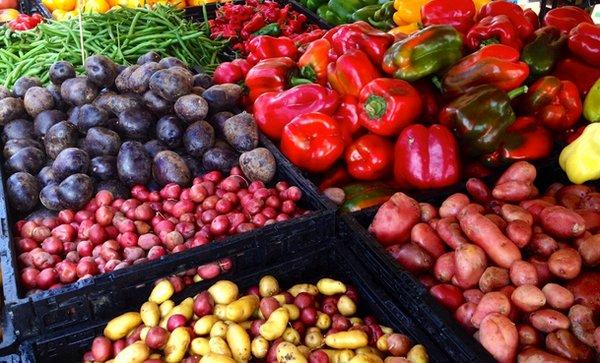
[
  {"x": 535, "y": 355},
  {"x": 134, "y": 164},
  {"x": 565, "y": 263},
  {"x": 28, "y": 159},
  {"x": 258, "y": 164},
  {"x": 37, "y": 99},
  {"x": 10, "y": 109},
  {"x": 59, "y": 137},
  {"x": 241, "y": 132},
  {"x": 563, "y": 343},
  {"x": 562, "y": 222},
  {"x": 22, "y": 191},
  {"x": 45, "y": 120},
  {"x": 558, "y": 296},
  {"x": 499, "y": 336},
  {"x": 71, "y": 161},
  {"x": 191, "y": 108},
  {"x": 548, "y": 320},
  {"x": 11, "y": 147},
  {"x": 78, "y": 91},
  {"x": 170, "y": 84},
  {"x": 140, "y": 77},
  {"x": 169, "y": 167},
  {"x": 198, "y": 138},
  {"x": 493, "y": 278},
  {"x": 76, "y": 190},
  {"x": 101, "y": 70}
]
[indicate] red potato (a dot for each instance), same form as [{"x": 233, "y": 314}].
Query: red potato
[
  {"x": 500, "y": 337},
  {"x": 519, "y": 232},
  {"x": 493, "y": 278},
  {"x": 488, "y": 236},
  {"x": 513, "y": 213},
  {"x": 543, "y": 245},
  {"x": 553, "y": 189},
  {"x": 557, "y": 296},
  {"x": 565, "y": 263},
  {"x": 428, "y": 280},
  {"x": 528, "y": 336},
  {"x": 492, "y": 302},
  {"x": 203, "y": 304},
  {"x": 479, "y": 190},
  {"x": 573, "y": 191},
  {"x": 534, "y": 355},
  {"x": 102, "y": 349},
  {"x": 586, "y": 290},
  {"x": 535, "y": 207},
  {"x": 582, "y": 323},
  {"x": 448, "y": 295},
  {"x": 428, "y": 212},
  {"x": 543, "y": 271},
  {"x": 473, "y": 295},
  {"x": 449, "y": 231},
  {"x": 444, "y": 267},
  {"x": 523, "y": 273},
  {"x": 519, "y": 171},
  {"x": 398, "y": 344},
  {"x": 501, "y": 223},
  {"x": 395, "y": 219},
  {"x": 157, "y": 337},
  {"x": 562, "y": 222},
  {"x": 472, "y": 208},
  {"x": 589, "y": 249},
  {"x": 411, "y": 257},
  {"x": 453, "y": 205},
  {"x": 463, "y": 315},
  {"x": 425, "y": 237},
  {"x": 513, "y": 191},
  {"x": 268, "y": 305},
  {"x": 591, "y": 219},
  {"x": 563, "y": 343},
  {"x": 528, "y": 298},
  {"x": 470, "y": 263},
  {"x": 591, "y": 201},
  {"x": 433, "y": 223},
  {"x": 548, "y": 320},
  {"x": 597, "y": 339}
]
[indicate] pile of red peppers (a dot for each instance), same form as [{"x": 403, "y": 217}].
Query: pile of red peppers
[{"x": 425, "y": 110}]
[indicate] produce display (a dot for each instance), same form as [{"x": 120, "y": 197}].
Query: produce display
[
  {"x": 306, "y": 323},
  {"x": 516, "y": 267}
]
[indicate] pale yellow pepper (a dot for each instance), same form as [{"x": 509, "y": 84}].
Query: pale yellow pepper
[
  {"x": 581, "y": 159},
  {"x": 129, "y": 3},
  {"x": 408, "y": 11},
  {"x": 405, "y": 29},
  {"x": 480, "y": 3}
]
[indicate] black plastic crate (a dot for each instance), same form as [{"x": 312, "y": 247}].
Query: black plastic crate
[{"x": 330, "y": 259}]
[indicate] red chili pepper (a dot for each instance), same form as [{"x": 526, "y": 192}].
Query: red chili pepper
[
  {"x": 515, "y": 14},
  {"x": 336, "y": 177},
  {"x": 496, "y": 29},
  {"x": 361, "y": 36},
  {"x": 426, "y": 157},
  {"x": 351, "y": 72},
  {"x": 578, "y": 72},
  {"x": 312, "y": 141},
  {"x": 266, "y": 46},
  {"x": 254, "y": 25},
  {"x": 307, "y": 37},
  {"x": 388, "y": 105},
  {"x": 274, "y": 110},
  {"x": 269, "y": 75},
  {"x": 313, "y": 63},
  {"x": 584, "y": 42},
  {"x": 370, "y": 157},
  {"x": 527, "y": 140},
  {"x": 458, "y": 13},
  {"x": 495, "y": 64},
  {"x": 347, "y": 117},
  {"x": 566, "y": 18}
]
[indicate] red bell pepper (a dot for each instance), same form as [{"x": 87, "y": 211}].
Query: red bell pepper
[
  {"x": 520, "y": 21},
  {"x": 527, "y": 140},
  {"x": 493, "y": 29},
  {"x": 231, "y": 72},
  {"x": 25, "y": 22},
  {"x": 335, "y": 177},
  {"x": 426, "y": 157},
  {"x": 313, "y": 63},
  {"x": 431, "y": 98},
  {"x": 532, "y": 17},
  {"x": 578, "y": 72},
  {"x": 269, "y": 75},
  {"x": 370, "y": 157},
  {"x": 351, "y": 72},
  {"x": 566, "y": 18},
  {"x": 274, "y": 110},
  {"x": 495, "y": 64},
  {"x": 555, "y": 103},
  {"x": 266, "y": 46},
  {"x": 312, "y": 141},
  {"x": 458, "y": 13},
  {"x": 347, "y": 117},
  {"x": 386, "y": 106},
  {"x": 584, "y": 42},
  {"x": 361, "y": 36}
]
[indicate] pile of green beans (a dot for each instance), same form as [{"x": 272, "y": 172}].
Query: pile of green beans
[{"x": 122, "y": 34}]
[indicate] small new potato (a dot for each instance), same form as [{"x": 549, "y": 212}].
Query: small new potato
[
  {"x": 177, "y": 345},
  {"x": 274, "y": 327},
  {"x": 150, "y": 313},
  {"x": 260, "y": 347},
  {"x": 291, "y": 335},
  {"x": 120, "y": 326},
  {"x": 200, "y": 346},
  {"x": 323, "y": 321},
  {"x": 219, "y": 310},
  {"x": 308, "y": 288},
  {"x": 418, "y": 354},
  {"x": 137, "y": 352},
  {"x": 293, "y": 311},
  {"x": 268, "y": 286},
  {"x": 224, "y": 292},
  {"x": 218, "y": 345},
  {"x": 204, "y": 325},
  {"x": 366, "y": 358},
  {"x": 241, "y": 309},
  {"x": 239, "y": 343},
  {"x": 216, "y": 358},
  {"x": 313, "y": 338},
  {"x": 346, "y": 306},
  {"x": 166, "y": 307},
  {"x": 289, "y": 353},
  {"x": 347, "y": 340},
  {"x": 330, "y": 287},
  {"x": 162, "y": 292},
  {"x": 219, "y": 329}
]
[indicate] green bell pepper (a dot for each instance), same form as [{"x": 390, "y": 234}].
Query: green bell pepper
[
  {"x": 363, "y": 14},
  {"x": 364, "y": 195},
  {"x": 344, "y": 9},
  {"x": 543, "y": 51},
  {"x": 315, "y": 4},
  {"x": 591, "y": 105},
  {"x": 329, "y": 16},
  {"x": 272, "y": 29},
  {"x": 384, "y": 17}
]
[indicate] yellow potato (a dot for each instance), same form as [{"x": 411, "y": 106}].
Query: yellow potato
[
  {"x": 224, "y": 292},
  {"x": 220, "y": 311},
  {"x": 216, "y": 358},
  {"x": 200, "y": 346},
  {"x": 291, "y": 335},
  {"x": 355, "y": 320},
  {"x": 346, "y": 306},
  {"x": 155, "y": 356},
  {"x": 144, "y": 332},
  {"x": 386, "y": 330},
  {"x": 219, "y": 329},
  {"x": 347, "y": 340},
  {"x": 162, "y": 292},
  {"x": 308, "y": 288},
  {"x": 260, "y": 347},
  {"x": 369, "y": 350},
  {"x": 382, "y": 343},
  {"x": 268, "y": 286},
  {"x": 197, "y": 278},
  {"x": 166, "y": 307},
  {"x": 120, "y": 326},
  {"x": 239, "y": 343},
  {"x": 218, "y": 345},
  {"x": 177, "y": 345},
  {"x": 330, "y": 287},
  {"x": 288, "y": 353},
  {"x": 304, "y": 350},
  {"x": 366, "y": 358},
  {"x": 339, "y": 356},
  {"x": 274, "y": 327},
  {"x": 293, "y": 311},
  {"x": 323, "y": 321},
  {"x": 241, "y": 309},
  {"x": 203, "y": 325},
  {"x": 134, "y": 353},
  {"x": 150, "y": 313},
  {"x": 280, "y": 298},
  {"x": 185, "y": 309},
  {"x": 313, "y": 338},
  {"x": 246, "y": 324},
  {"x": 418, "y": 354}
]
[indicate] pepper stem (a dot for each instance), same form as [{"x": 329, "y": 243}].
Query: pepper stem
[
  {"x": 488, "y": 42},
  {"x": 517, "y": 92},
  {"x": 436, "y": 82},
  {"x": 294, "y": 81},
  {"x": 375, "y": 107}
]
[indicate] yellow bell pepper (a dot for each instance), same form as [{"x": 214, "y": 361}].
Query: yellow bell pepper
[
  {"x": 405, "y": 29},
  {"x": 408, "y": 11},
  {"x": 7, "y": 15},
  {"x": 581, "y": 159},
  {"x": 479, "y": 3},
  {"x": 65, "y": 5},
  {"x": 96, "y": 6},
  {"x": 200, "y": 2},
  {"x": 129, "y": 3}
]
